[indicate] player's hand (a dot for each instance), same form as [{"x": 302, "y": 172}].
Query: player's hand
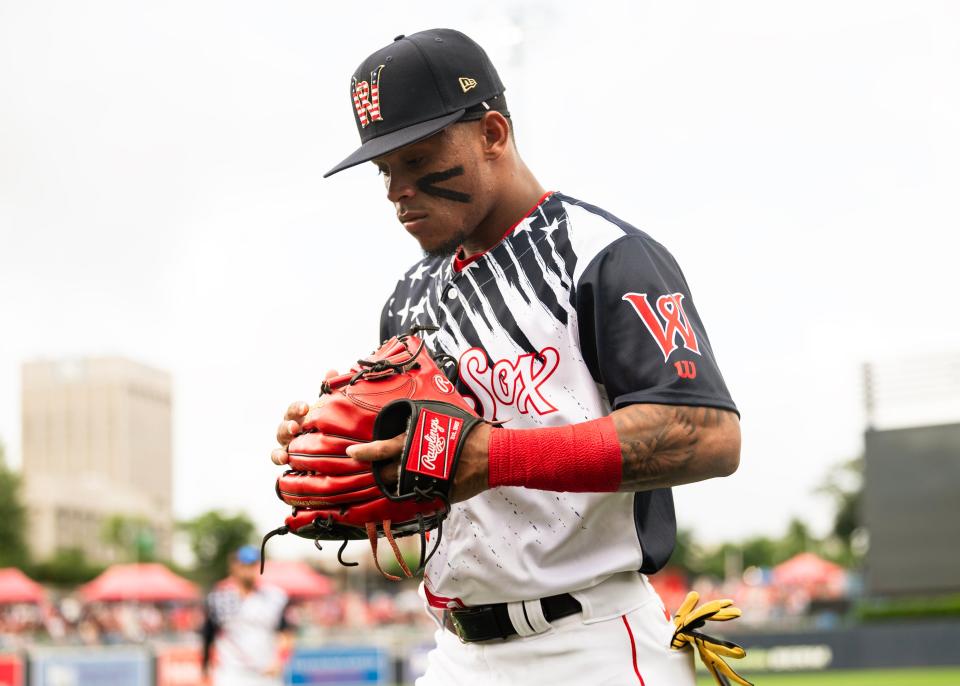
[
  {"x": 292, "y": 426},
  {"x": 472, "y": 471}
]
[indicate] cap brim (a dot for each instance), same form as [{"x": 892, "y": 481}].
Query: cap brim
[{"x": 387, "y": 143}]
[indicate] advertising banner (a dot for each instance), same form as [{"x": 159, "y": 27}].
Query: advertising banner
[
  {"x": 342, "y": 666},
  {"x": 415, "y": 666},
  {"x": 890, "y": 644},
  {"x": 11, "y": 670},
  {"x": 178, "y": 666},
  {"x": 90, "y": 667}
]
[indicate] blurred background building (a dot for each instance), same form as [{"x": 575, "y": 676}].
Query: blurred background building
[{"x": 96, "y": 451}]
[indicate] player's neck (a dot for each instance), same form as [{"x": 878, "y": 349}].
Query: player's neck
[
  {"x": 244, "y": 589},
  {"x": 517, "y": 197}
]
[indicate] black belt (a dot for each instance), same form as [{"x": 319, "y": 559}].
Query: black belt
[{"x": 487, "y": 622}]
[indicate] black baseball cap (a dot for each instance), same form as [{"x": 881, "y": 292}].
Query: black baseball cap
[{"x": 416, "y": 86}]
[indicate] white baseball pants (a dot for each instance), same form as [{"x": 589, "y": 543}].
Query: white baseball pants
[{"x": 632, "y": 649}]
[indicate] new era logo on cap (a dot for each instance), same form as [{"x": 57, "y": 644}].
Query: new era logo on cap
[{"x": 466, "y": 83}]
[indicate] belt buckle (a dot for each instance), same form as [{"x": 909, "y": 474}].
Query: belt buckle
[
  {"x": 457, "y": 626},
  {"x": 483, "y": 619}
]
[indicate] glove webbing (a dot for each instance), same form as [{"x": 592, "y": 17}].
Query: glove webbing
[
  {"x": 372, "y": 537},
  {"x": 388, "y": 534}
]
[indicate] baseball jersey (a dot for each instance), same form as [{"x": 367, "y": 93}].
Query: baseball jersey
[
  {"x": 245, "y": 626},
  {"x": 573, "y": 314}
]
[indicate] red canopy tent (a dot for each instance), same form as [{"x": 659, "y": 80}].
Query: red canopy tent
[
  {"x": 17, "y": 587},
  {"x": 672, "y": 587},
  {"x": 151, "y": 582},
  {"x": 811, "y": 572},
  {"x": 297, "y": 579}
]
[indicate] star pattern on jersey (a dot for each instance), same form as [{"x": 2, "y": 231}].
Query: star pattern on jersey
[
  {"x": 417, "y": 310},
  {"x": 224, "y": 605},
  {"x": 525, "y": 225},
  {"x": 424, "y": 283},
  {"x": 426, "y": 299},
  {"x": 417, "y": 273},
  {"x": 517, "y": 299},
  {"x": 404, "y": 311},
  {"x": 550, "y": 228}
]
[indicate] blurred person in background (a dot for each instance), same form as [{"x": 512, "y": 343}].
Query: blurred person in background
[{"x": 246, "y": 622}]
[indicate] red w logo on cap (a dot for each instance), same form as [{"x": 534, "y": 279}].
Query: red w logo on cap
[
  {"x": 676, "y": 324},
  {"x": 366, "y": 98}
]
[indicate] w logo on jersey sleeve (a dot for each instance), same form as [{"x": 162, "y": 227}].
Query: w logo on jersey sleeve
[{"x": 675, "y": 322}]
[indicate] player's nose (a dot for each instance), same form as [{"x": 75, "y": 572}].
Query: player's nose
[{"x": 399, "y": 187}]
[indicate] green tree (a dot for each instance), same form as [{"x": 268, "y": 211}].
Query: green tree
[
  {"x": 759, "y": 551},
  {"x": 843, "y": 485},
  {"x": 131, "y": 538},
  {"x": 213, "y": 537},
  {"x": 13, "y": 518},
  {"x": 796, "y": 540},
  {"x": 684, "y": 552},
  {"x": 67, "y": 567},
  {"x": 732, "y": 557},
  {"x": 714, "y": 561}
]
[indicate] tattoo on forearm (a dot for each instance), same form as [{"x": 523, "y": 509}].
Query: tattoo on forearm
[{"x": 659, "y": 443}]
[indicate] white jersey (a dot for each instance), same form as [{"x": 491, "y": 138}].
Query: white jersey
[
  {"x": 246, "y": 627},
  {"x": 574, "y": 313}
]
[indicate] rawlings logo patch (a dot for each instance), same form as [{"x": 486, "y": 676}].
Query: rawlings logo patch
[
  {"x": 675, "y": 322},
  {"x": 443, "y": 384},
  {"x": 366, "y": 98},
  {"x": 434, "y": 444}
]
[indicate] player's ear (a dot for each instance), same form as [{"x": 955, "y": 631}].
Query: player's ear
[{"x": 496, "y": 134}]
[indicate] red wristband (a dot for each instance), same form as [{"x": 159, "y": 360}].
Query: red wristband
[{"x": 581, "y": 458}]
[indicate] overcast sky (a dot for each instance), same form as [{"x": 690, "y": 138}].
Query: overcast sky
[{"x": 161, "y": 198}]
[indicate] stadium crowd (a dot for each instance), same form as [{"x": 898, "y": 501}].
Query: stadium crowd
[{"x": 765, "y": 598}]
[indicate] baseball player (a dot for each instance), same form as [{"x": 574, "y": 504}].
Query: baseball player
[
  {"x": 247, "y": 623},
  {"x": 579, "y": 343}
]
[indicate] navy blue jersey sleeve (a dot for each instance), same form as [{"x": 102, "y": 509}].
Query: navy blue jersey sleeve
[
  {"x": 386, "y": 321},
  {"x": 640, "y": 332}
]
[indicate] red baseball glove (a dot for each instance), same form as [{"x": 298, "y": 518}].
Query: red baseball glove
[{"x": 398, "y": 389}]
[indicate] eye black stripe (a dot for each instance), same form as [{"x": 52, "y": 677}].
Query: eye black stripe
[{"x": 427, "y": 184}]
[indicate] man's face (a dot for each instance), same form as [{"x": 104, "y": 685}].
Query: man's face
[
  {"x": 246, "y": 575},
  {"x": 439, "y": 187}
]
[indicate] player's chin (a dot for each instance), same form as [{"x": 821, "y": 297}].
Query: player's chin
[{"x": 439, "y": 245}]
